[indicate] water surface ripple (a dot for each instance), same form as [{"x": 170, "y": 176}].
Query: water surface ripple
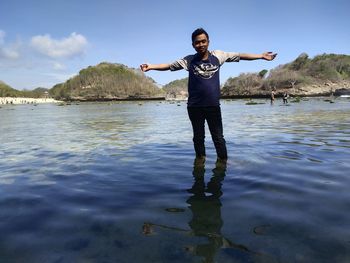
[{"x": 115, "y": 182}]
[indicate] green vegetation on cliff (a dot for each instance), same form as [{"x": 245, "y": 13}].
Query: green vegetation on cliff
[
  {"x": 107, "y": 81},
  {"x": 7, "y": 91},
  {"x": 301, "y": 76},
  {"x": 321, "y": 75},
  {"x": 176, "y": 86},
  {"x": 304, "y": 71}
]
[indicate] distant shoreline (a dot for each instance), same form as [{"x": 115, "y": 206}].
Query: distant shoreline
[
  {"x": 114, "y": 99},
  {"x": 262, "y": 96},
  {"x": 23, "y": 100}
]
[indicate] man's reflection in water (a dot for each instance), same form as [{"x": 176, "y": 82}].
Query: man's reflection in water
[
  {"x": 206, "y": 206},
  {"x": 206, "y": 221}
]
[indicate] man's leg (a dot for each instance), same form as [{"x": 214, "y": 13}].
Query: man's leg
[
  {"x": 213, "y": 116},
  {"x": 197, "y": 118}
]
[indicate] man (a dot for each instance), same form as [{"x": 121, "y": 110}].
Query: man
[
  {"x": 285, "y": 98},
  {"x": 272, "y": 96},
  {"x": 204, "y": 89}
]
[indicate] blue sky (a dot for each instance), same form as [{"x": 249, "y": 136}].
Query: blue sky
[{"x": 43, "y": 43}]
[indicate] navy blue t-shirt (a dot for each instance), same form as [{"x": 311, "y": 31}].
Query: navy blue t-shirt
[{"x": 204, "y": 77}]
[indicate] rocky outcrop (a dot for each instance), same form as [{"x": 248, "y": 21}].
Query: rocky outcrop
[
  {"x": 107, "y": 81},
  {"x": 322, "y": 75},
  {"x": 326, "y": 88}
]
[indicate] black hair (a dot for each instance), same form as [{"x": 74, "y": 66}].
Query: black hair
[{"x": 198, "y": 32}]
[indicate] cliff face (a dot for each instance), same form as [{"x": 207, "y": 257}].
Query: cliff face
[
  {"x": 327, "y": 88},
  {"x": 176, "y": 90},
  {"x": 323, "y": 75},
  {"x": 107, "y": 81},
  {"x": 317, "y": 89}
]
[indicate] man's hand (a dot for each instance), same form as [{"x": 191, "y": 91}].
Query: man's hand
[
  {"x": 269, "y": 56},
  {"x": 145, "y": 67}
]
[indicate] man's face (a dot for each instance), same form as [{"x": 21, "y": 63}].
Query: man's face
[{"x": 201, "y": 44}]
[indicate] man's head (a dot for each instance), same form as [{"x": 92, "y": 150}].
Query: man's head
[{"x": 200, "y": 40}]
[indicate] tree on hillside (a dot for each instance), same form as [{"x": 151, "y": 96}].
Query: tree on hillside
[
  {"x": 243, "y": 84},
  {"x": 262, "y": 73},
  {"x": 7, "y": 91},
  {"x": 330, "y": 67},
  {"x": 300, "y": 62},
  {"x": 176, "y": 88},
  {"x": 282, "y": 77}
]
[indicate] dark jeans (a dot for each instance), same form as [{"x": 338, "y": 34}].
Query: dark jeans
[{"x": 212, "y": 115}]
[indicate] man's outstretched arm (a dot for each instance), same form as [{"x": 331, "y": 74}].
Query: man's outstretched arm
[
  {"x": 146, "y": 67},
  {"x": 267, "y": 56}
]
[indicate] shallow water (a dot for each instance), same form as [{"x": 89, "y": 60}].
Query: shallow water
[{"x": 115, "y": 182}]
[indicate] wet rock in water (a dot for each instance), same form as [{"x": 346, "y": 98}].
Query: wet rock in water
[
  {"x": 175, "y": 210},
  {"x": 147, "y": 229},
  {"x": 251, "y": 103},
  {"x": 261, "y": 230}
]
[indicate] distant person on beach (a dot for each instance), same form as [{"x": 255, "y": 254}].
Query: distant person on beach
[
  {"x": 204, "y": 89},
  {"x": 272, "y": 96},
  {"x": 285, "y": 98}
]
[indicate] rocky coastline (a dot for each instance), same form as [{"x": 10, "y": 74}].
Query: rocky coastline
[{"x": 313, "y": 90}]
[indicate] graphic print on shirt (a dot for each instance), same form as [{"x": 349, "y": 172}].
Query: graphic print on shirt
[{"x": 205, "y": 70}]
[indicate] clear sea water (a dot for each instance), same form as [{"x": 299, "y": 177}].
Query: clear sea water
[{"x": 115, "y": 182}]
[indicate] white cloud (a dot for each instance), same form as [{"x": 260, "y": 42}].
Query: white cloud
[
  {"x": 20, "y": 58},
  {"x": 2, "y": 36},
  {"x": 68, "y": 47},
  {"x": 58, "y": 66},
  {"x": 11, "y": 51}
]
